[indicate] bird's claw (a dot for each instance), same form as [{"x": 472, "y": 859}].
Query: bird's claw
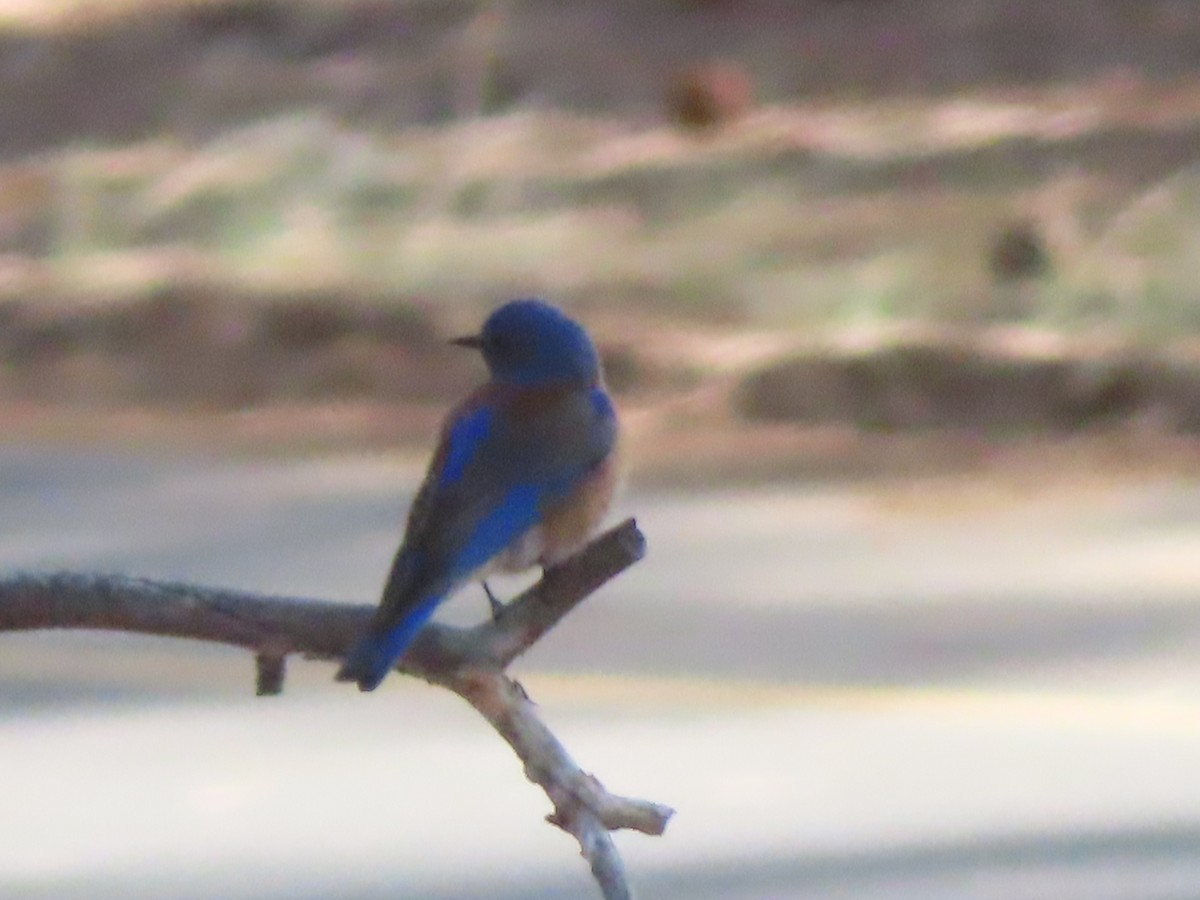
[{"x": 493, "y": 602}]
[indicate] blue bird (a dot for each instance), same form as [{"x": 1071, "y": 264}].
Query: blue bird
[{"x": 523, "y": 474}]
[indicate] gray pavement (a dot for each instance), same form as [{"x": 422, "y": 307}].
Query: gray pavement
[{"x": 844, "y": 697}]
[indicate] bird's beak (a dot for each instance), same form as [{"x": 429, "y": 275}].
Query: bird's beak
[{"x": 472, "y": 341}]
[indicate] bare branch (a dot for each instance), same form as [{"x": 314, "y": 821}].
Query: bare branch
[
  {"x": 505, "y": 705},
  {"x": 582, "y": 807},
  {"x": 318, "y": 629},
  {"x": 270, "y": 668},
  {"x": 468, "y": 661}
]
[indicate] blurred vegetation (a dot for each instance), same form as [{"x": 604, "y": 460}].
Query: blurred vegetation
[
  {"x": 791, "y": 217},
  {"x": 860, "y": 162}
]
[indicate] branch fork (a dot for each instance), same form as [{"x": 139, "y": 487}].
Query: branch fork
[{"x": 471, "y": 662}]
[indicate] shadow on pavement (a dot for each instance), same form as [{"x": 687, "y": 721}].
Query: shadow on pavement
[{"x": 1150, "y": 863}]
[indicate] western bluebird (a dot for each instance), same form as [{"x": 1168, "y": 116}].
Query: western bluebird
[{"x": 523, "y": 473}]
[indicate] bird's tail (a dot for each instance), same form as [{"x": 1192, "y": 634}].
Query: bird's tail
[
  {"x": 372, "y": 657},
  {"x": 396, "y": 623}
]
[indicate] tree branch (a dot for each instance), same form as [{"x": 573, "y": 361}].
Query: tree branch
[{"x": 468, "y": 661}]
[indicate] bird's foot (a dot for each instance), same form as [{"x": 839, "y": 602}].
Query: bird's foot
[{"x": 493, "y": 602}]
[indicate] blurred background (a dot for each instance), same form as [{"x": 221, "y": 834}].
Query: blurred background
[{"x": 899, "y": 302}]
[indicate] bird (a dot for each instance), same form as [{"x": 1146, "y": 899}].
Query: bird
[{"x": 524, "y": 471}]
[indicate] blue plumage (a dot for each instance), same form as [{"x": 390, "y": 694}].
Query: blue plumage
[
  {"x": 467, "y": 434},
  {"x": 522, "y": 476}
]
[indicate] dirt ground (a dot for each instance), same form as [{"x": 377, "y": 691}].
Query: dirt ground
[{"x": 712, "y": 406}]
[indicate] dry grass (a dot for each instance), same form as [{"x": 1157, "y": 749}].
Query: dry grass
[{"x": 796, "y": 216}]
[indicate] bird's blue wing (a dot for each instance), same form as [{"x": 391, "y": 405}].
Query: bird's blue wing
[
  {"x": 418, "y": 580},
  {"x": 502, "y": 470},
  {"x": 467, "y": 434}
]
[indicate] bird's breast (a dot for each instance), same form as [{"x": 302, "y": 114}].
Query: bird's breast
[{"x": 567, "y": 525}]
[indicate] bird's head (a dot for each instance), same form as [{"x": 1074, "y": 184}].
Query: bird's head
[{"x": 528, "y": 342}]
